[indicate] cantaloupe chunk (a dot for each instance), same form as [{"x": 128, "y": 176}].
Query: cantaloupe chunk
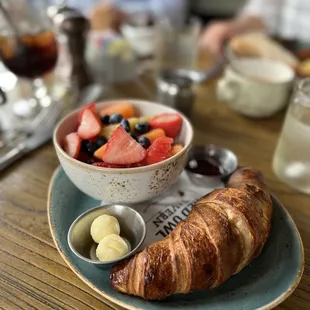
[
  {"x": 98, "y": 154},
  {"x": 176, "y": 148},
  {"x": 126, "y": 109},
  {"x": 153, "y": 134}
]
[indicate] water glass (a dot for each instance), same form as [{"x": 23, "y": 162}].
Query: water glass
[
  {"x": 291, "y": 161},
  {"x": 176, "y": 47}
]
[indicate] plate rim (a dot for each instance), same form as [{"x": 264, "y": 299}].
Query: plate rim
[{"x": 117, "y": 302}]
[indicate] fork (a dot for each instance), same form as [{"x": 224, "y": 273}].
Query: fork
[
  {"x": 41, "y": 135},
  {"x": 24, "y": 131}
]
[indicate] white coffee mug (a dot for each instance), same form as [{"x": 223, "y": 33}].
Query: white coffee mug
[{"x": 256, "y": 87}]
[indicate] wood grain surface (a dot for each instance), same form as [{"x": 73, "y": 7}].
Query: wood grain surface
[{"x": 32, "y": 273}]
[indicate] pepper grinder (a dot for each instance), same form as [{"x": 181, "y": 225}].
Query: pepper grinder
[{"x": 72, "y": 28}]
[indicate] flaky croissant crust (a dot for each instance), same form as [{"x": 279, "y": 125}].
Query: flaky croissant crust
[{"x": 224, "y": 232}]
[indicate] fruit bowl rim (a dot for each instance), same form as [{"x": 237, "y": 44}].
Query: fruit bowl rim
[{"x": 189, "y": 131}]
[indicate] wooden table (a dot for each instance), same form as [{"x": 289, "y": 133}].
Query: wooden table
[{"x": 32, "y": 273}]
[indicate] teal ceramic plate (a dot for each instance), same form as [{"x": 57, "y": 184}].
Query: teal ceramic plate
[{"x": 265, "y": 283}]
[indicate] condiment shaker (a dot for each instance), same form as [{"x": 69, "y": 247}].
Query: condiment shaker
[
  {"x": 176, "y": 91},
  {"x": 72, "y": 28}
]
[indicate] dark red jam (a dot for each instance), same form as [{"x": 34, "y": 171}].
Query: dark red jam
[{"x": 206, "y": 165}]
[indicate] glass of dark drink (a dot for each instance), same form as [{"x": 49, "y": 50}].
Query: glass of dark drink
[{"x": 28, "y": 47}]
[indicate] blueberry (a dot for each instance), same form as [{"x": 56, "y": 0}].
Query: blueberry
[
  {"x": 125, "y": 124},
  {"x": 84, "y": 145},
  {"x": 115, "y": 118},
  {"x": 105, "y": 119},
  {"x": 144, "y": 141},
  {"x": 90, "y": 161},
  {"x": 142, "y": 127},
  {"x": 133, "y": 135},
  {"x": 91, "y": 147},
  {"x": 101, "y": 141}
]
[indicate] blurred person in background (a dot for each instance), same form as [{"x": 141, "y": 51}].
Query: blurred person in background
[
  {"x": 107, "y": 14},
  {"x": 286, "y": 19}
]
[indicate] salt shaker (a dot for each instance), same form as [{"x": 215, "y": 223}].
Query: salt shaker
[{"x": 176, "y": 91}]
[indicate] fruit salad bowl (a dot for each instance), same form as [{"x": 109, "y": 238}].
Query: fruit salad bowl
[{"x": 113, "y": 183}]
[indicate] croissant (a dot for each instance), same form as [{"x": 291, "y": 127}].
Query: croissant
[{"x": 223, "y": 233}]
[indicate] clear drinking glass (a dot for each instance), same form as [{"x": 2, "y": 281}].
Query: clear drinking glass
[
  {"x": 28, "y": 46},
  {"x": 291, "y": 161},
  {"x": 176, "y": 47}
]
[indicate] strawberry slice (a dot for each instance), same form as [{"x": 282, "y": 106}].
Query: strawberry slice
[
  {"x": 171, "y": 123},
  {"x": 159, "y": 150},
  {"x": 122, "y": 149},
  {"x": 91, "y": 107},
  {"x": 72, "y": 144},
  {"x": 90, "y": 125}
]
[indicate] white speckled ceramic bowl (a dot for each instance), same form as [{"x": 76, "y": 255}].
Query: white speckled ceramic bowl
[{"x": 129, "y": 185}]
